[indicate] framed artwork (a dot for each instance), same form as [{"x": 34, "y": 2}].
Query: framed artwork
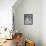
[{"x": 28, "y": 19}]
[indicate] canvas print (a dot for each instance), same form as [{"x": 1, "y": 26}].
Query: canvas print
[{"x": 28, "y": 19}]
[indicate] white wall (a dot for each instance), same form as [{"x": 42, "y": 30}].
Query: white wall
[
  {"x": 6, "y": 13},
  {"x": 43, "y": 22},
  {"x": 30, "y": 31}
]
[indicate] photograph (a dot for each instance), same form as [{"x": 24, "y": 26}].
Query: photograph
[
  {"x": 28, "y": 19},
  {"x": 22, "y": 22}
]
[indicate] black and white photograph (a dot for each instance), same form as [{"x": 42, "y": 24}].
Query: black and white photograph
[{"x": 28, "y": 19}]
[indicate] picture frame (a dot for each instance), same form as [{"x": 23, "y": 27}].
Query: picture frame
[{"x": 28, "y": 19}]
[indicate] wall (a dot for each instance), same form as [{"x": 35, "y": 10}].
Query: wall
[
  {"x": 43, "y": 22},
  {"x": 32, "y": 32},
  {"x": 6, "y": 13}
]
